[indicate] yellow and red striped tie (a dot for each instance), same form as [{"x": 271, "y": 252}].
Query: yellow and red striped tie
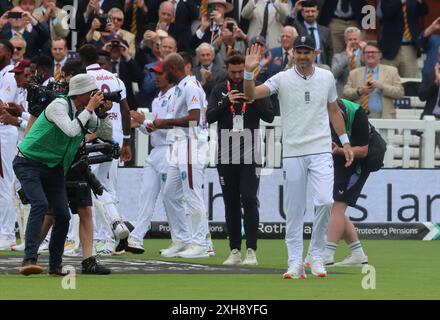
[
  {"x": 366, "y": 98},
  {"x": 133, "y": 25},
  {"x": 58, "y": 72},
  {"x": 407, "y": 32},
  {"x": 353, "y": 63},
  {"x": 203, "y": 7}
]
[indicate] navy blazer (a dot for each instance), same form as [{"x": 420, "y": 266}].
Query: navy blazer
[
  {"x": 390, "y": 37},
  {"x": 428, "y": 91},
  {"x": 36, "y": 40},
  {"x": 329, "y": 7}
]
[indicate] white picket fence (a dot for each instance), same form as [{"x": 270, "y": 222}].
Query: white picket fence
[{"x": 410, "y": 142}]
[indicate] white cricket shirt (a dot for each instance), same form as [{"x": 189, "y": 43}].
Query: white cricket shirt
[{"x": 303, "y": 109}]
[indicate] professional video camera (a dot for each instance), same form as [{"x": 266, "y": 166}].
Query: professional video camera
[
  {"x": 98, "y": 151},
  {"x": 39, "y": 96}
]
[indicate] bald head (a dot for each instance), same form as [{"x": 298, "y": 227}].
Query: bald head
[{"x": 174, "y": 67}]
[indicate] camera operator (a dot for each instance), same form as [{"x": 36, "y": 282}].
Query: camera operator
[{"x": 45, "y": 156}]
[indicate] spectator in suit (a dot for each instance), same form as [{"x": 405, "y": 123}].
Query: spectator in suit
[
  {"x": 229, "y": 41},
  {"x": 310, "y": 26},
  {"x": 27, "y": 5},
  {"x": 374, "y": 86},
  {"x": 136, "y": 17},
  {"x": 266, "y": 17},
  {"x": 59, "y": 53},
  {"x": 429, "y": 91},
  {"x": 56, "y": 18},
  {"x": 149, "y": 90},
  {"x": 429, "y": 41},
  {"x": 207, "y": 72},
  {"x": 148, "y": 49},
  {"x": 338, "y": 15},
  {"x": 124, "y": 65},
  {"x": 176, "y": 17},
  {"x": 88, "y": 10},
  {"x": 349, "y": 59},
  {"x": 116, "y": 16},
  {"x": 19, "y": 45},
  {"x": 235, "y": 14},
  {"x": 35, "y": 39},
  {"x": 210, "y": 25},
  {"x": 281, "y": 60},
  {"x": 400, "y": 30}
]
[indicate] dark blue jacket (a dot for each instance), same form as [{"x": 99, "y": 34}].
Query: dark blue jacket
[
  {"x": 390, "y": 38},
  {"x": 329, "y": 7}
]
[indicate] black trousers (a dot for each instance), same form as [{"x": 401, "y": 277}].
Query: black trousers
[{"x": 239, "y": 183}]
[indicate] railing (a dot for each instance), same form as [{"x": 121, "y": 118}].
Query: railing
[{"x": 410, "y": 143}]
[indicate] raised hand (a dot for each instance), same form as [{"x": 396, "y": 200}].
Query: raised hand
[{"x": 252, "y": 57}]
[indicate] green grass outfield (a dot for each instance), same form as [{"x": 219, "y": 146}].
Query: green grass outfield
[{"x": 404, "y": 270}]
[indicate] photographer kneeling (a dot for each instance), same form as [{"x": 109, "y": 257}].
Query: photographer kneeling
[{"x": 45, "y": 155}]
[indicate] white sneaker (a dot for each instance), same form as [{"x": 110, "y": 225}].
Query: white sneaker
[
  {"x": 6, "y": 245},
  {"x": 173, "y": 250},
  {"x": 295, "y": 272},
  {"x": 251, "y": 258},
  {"x": 210, "y": 251},
  {"x": 353, "y": 261},
  {"x": 194, "y": 251},
  {"x": 75, "y": 252},
  {"x": 18, "y": 247},
  {"x": 329, "y": 261},
  {"x": 104, "y": 248},
  {"x": 233, "y": 259},
  {"x": 44, "y": 246},
  {"x": 120, "y": 230},
  {"x": 136, "y": 247},
  {"x": 318, "y": 268}
]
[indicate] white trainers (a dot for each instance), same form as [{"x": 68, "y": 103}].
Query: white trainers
[
  {"x": 104, "y": 248},
  {"x": 6, "y": 245},
  {"x": 44, "y": 246},
  {"x": 194, "y": 251},
  {"x": 308, "y": 261},
  {"x": 75, "y": 252},
  {"x": 120, "y": 230},
  {"x": 329, "y": 261},
  {"x": 251, "y": 258},
  {"x": 173, "y": 250},
  {"x": 18, "y": 247},
  {"x": 136, "y": 247},
  {"x": 233, "y": 259},
  {"x": 318, "y": 268},
  {"x": 295, "y": 272},
  {"x": 353, "y": 261}
]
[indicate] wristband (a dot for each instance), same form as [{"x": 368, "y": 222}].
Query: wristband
[
  {"x": 344, "y": 139},
  {"x": 126, "y": 136},
  {"x": 249, "y": 75}
]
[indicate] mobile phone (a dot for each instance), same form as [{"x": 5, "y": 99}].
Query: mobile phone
[
  {"x": 230, "y": 26},
  {"x": 210, "y": 8},
  {"x": 15, "y": 15}
]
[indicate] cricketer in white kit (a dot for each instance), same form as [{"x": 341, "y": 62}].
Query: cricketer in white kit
[
  {"x": 307, "y": 96},
  {"x": 189, "y": 159},
  {"x": 8, "y": 148}
]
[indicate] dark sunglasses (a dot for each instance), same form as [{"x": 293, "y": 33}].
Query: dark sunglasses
[
  {"x": 18, "y": 48},
  {"x": 117, "y": 19}
]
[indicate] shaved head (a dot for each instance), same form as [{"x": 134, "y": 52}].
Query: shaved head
[{"x": 174, "y": 67}]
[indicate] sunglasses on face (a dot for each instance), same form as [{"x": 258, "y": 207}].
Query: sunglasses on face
[
  {"x": 371, "y": 52},
  {"x": 18, "y": 48},
  {"x": 117, "y": 19}
]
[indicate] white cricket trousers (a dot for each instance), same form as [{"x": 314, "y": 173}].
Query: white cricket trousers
[
  {"x": 8, "y": 149},
  {"x": 184, "y": 185},
  {"x": 107, "y": 173},
  {"x": 153, "y": 180},
  {"x": 318, "y": 170}
]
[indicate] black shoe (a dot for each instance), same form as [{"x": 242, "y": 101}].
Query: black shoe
[
  {"x": 58, "y": 272},
  {"x": 29, "y": 267},
  {"x": 92, "y": 266}
]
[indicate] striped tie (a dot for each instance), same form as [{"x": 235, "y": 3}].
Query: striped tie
[
  {"x": 58, "y": 72},
  {"x": 133, "y": 25},
  {"x": 405, "y": 21},
  {"x": 17, "y": 34},
  {"x": 203, "y": 7},
  {"x": 229, "y": 49},
  {"x": 353, "y": 63},
  {"x": 365, "y": 98}
]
